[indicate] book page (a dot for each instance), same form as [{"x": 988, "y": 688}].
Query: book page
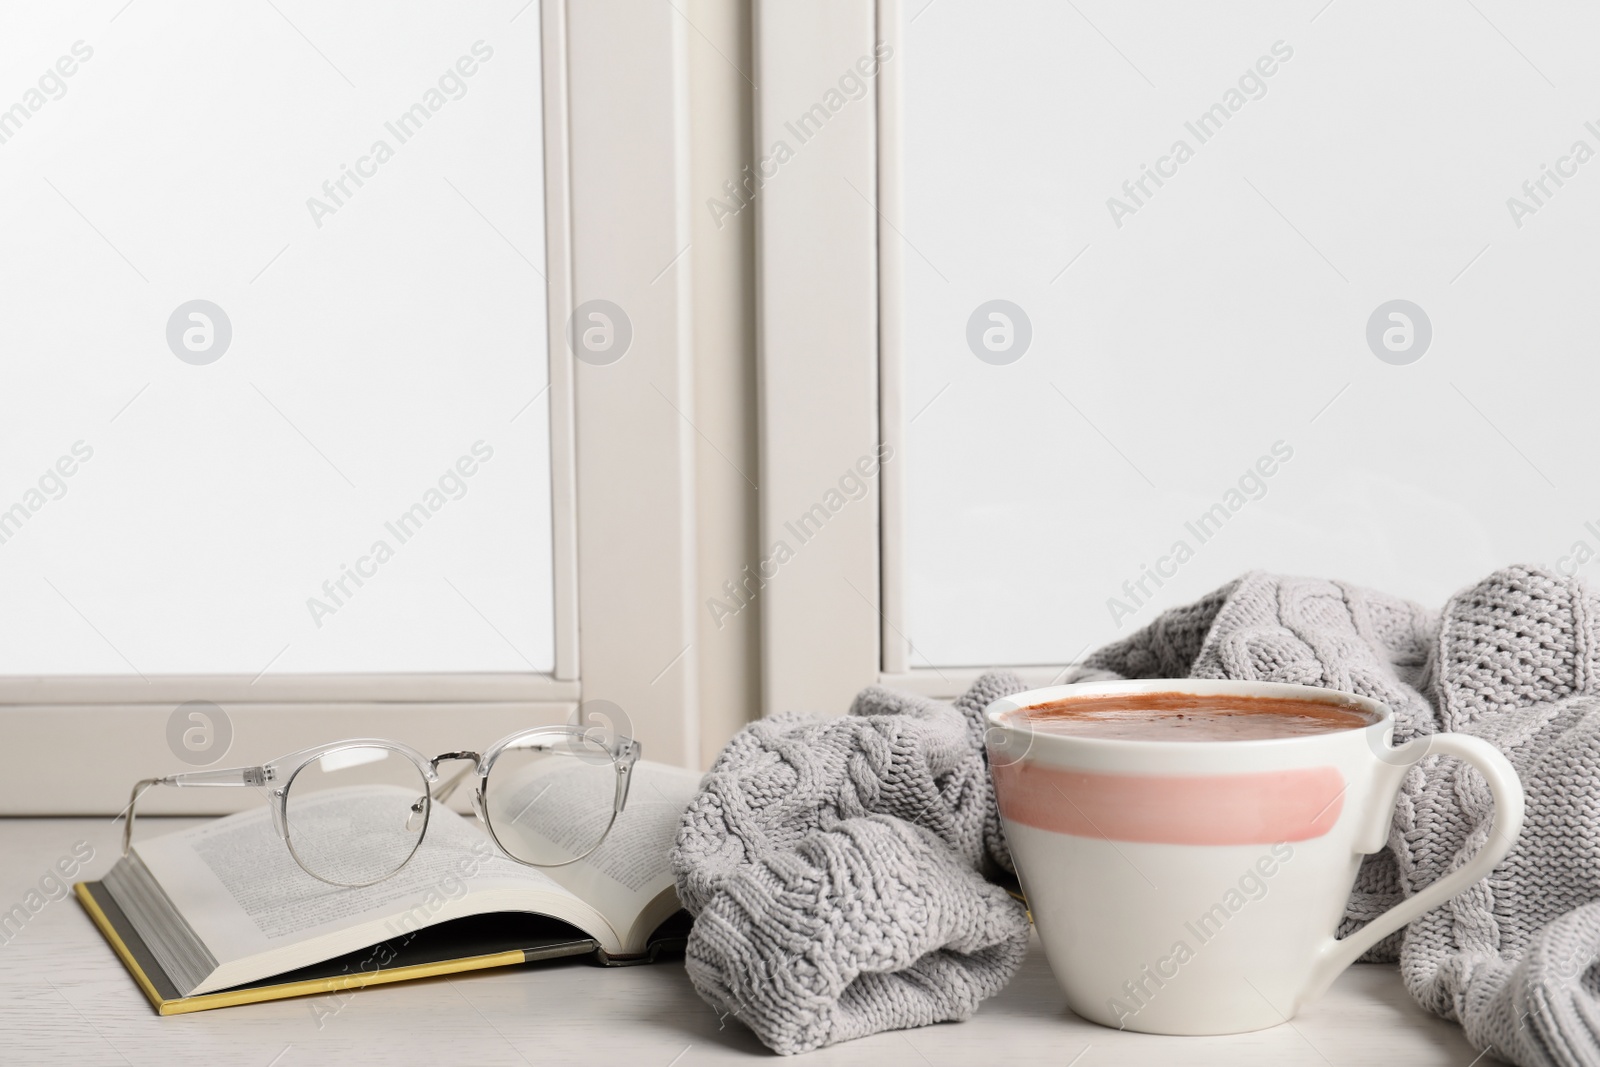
[
  {"x": 632, "y": 866},
  {"x": 239, "y": 888}
]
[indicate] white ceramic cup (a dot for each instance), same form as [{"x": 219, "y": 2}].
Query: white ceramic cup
[{"x": 1194, "y": 887}]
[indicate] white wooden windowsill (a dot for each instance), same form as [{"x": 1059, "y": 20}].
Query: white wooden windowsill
[{"x": 64, "y": 998}]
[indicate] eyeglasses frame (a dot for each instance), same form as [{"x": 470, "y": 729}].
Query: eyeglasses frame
[{"x": 624, "y": 753}]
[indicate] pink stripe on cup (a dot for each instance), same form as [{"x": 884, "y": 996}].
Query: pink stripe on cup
[{"x": 1222, "y": 809}]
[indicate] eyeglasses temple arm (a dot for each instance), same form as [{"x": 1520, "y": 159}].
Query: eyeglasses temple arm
[
  {"x": 132, "y": 809},
  {"x": 628, "y": 752},
  {"x": 222, "y": 777}
]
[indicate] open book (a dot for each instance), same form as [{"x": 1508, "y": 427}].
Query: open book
[{"x": 224, "y": 906}]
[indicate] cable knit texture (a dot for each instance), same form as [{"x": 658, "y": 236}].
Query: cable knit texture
[
  {"x": 835, "y": 871},
  {"x": 835, "y": 866},
  {"x": 1515, "y": 660}
]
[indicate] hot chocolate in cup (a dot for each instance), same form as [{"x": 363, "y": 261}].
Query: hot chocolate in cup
[
  {"x": 1176, "y": 716},
  {"x": 1187, "y": 847}
]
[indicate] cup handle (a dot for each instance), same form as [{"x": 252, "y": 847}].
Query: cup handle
[{"x": 1506, "y": 789}]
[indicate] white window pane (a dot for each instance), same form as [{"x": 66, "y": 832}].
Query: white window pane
[
  {"x": 380, "y": 336},
  {"x": 1177, "y": 339}
]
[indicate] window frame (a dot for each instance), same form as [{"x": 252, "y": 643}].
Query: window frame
[
  {"x": 616, "y": 127},
  {"x": 817, "y": 653},
  {"x": 817, "y": 352}
]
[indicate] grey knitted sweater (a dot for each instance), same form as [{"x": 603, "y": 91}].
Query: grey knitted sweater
[
  {"x": 835, "y": 866},
  {"x": 834, "y": 869}
]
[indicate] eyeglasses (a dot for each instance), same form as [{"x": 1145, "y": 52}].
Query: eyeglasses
[{"x": 354, "y": 812}]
